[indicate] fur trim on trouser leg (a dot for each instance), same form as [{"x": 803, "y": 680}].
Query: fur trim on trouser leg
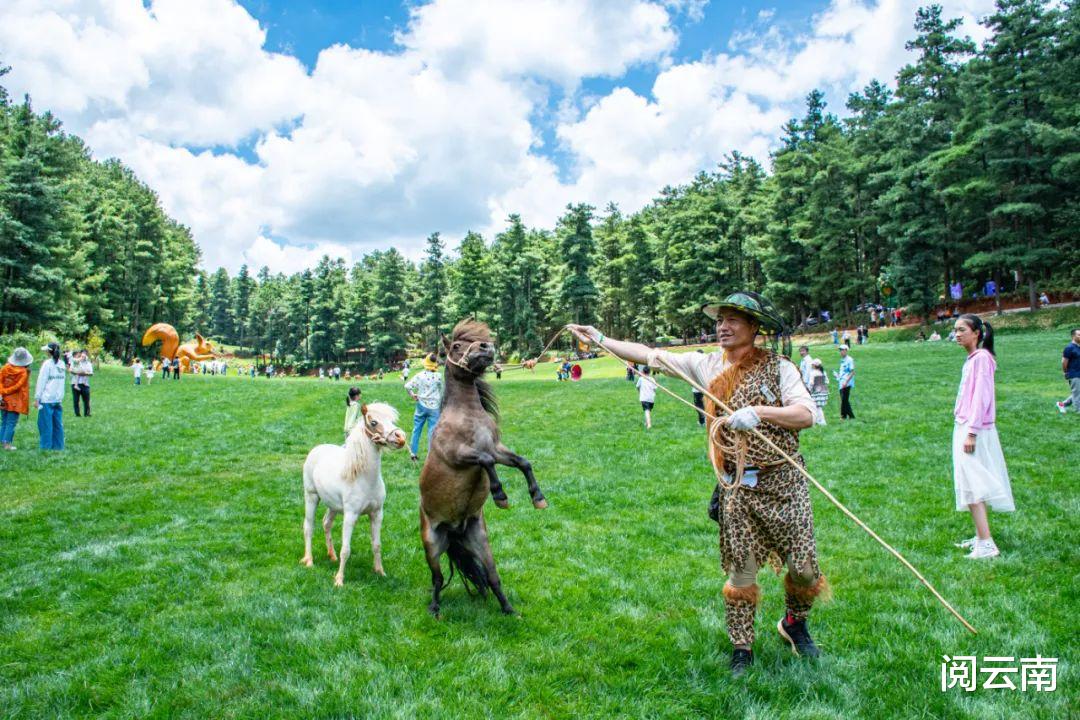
[
  {"x": 799, "y": 597},
  {"x": 740, "y": 606}
]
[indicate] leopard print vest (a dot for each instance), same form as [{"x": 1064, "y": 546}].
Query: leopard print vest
[{"x": 760, "y": 386}]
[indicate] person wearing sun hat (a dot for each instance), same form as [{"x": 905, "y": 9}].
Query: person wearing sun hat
[
  {"x": 426, "y": 388},
  {"x": 14, "y": 394},
  {"x": 765, "y": 517}
]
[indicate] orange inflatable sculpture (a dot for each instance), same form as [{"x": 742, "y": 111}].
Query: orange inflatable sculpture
[{"x": 197, "y": 350}]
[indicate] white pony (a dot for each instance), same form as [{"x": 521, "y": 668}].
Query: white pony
[{"x": 349, "y": 480}]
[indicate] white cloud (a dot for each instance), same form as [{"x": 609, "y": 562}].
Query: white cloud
[
  {"x": 628, "y": 146},
  {"x": 560, "y": 40},
  {"x": 372, "y": 148},
  {"x": 285, "y": 258}
]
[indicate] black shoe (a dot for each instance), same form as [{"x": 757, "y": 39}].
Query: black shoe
[
  {"x": 798, "y": 637},
  {"x": 741, "y": 660}
]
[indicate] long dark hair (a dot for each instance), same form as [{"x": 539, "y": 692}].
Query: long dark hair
[
  {"x": 54, "y": 351},
  {"x": 986, "y": 332},
  {"x": 354, "y": 394}
]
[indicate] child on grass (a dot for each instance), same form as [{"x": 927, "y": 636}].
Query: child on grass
[
  {"x": 646, "y": 394},
  {"x": 352, "y": 410},
  {"x": 819, "y": 386}
]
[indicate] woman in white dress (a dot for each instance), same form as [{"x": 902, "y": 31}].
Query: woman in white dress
[{"x": 979, "y": 472}]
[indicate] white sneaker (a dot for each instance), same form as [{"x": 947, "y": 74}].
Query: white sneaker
[
  {"x": 1062, "y": 407},
  {"x": 969, "y": 543},
  {"x": 983, "y": 549}
]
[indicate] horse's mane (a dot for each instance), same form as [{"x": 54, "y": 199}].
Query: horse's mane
[
  {"x": 360, "y": 447},
  {"x": 470, "y": 331},
  {"x": 487, "y": 398}
]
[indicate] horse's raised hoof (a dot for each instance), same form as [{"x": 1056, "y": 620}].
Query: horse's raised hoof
[
  {"x": 540, "y": 503},
  {"x": 306, "y": 561}
]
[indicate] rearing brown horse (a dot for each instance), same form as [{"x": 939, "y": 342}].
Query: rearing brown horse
[{"x": 460, "y": 468}]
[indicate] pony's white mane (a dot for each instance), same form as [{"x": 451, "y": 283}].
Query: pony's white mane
[{"x": 360, "y": 448}]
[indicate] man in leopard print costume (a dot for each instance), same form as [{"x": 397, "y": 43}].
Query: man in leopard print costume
[{"x": 763, "y": 505}]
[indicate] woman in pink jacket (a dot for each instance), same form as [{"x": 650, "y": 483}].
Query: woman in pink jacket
[{"x": 979, "y": 471}]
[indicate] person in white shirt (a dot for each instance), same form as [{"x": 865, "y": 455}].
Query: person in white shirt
[
  {"x": 136, "y": 368},
  {"x": 49, "y": 399},
  {"x": 763, "y": 507},
  {"x": 426, "y": 388},
  {"x": 646, "y": 395},
  {"x": 81, "y": 370},
  {"x": 806, "y": 365}
]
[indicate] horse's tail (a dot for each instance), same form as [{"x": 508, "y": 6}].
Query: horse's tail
[{"x": 466, "y": 562}]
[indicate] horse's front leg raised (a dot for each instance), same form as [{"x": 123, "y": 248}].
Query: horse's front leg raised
[
  {"x": 506, "y": 456},
  {"x": 487, "y": 461}
]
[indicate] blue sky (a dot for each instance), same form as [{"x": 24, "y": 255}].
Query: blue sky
[
  {"x": 304, "y": 29},
  {"x": 281, "y": 131}
]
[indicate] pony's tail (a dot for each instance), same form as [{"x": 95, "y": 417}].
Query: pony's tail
[{"x": 468, "y": 564}]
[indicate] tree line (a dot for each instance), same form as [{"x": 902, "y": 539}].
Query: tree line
[
  {"x": 967, "y": 172},
  {"x": 83, "y": 244}
]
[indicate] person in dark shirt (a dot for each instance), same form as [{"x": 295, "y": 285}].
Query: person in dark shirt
[{"x": 1070, "y": 366}]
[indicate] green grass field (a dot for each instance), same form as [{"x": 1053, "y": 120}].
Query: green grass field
[{"x": 150, "y": 570}]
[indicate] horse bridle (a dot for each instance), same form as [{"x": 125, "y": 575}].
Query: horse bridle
[
  {"x": 460, "y": 362},
  {"x": 377, "y": 438}
]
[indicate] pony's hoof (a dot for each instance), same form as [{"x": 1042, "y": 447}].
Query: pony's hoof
[
  {"x": 509, "y": 610},
  {"x": 306, "y": 561},
  {"x": 540, "y": 504},
  {"x": 503, "y": 503},
  {"x": 332, "y": 555},
  {"x": 380, "y": 571},
  {"x": 434, "y": 610},
  {"x": 339, "y": 581}
]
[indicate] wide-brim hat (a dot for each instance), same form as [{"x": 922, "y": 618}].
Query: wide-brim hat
[
  {"x": 21, "y": 357},
  {"x": 753, "y": 305}
]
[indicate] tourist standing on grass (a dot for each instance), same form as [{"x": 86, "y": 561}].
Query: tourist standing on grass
[
  {"x": 835, "y": 336},
  {"x": 136, "y": 367},
  {"x": 1070, "y": 365},
  {"x": 14, "y": 394},
  {"x": 352, "y": 410},
  {"x": 805, "y": 364},
  {"x": 49, "y": 399},
  {"x": 766, "y": 515},
  {"x": 426, "y": 388},
  {"x": 176, "y": 368},
  {"x": 81, "y": 370},
  {"x": 164, "y": 368},
  {"x": 979, "y": 472},
  {"x": 819, "y": 386},
  {"x": 845, "y": 378},
  {"x": 646, "y": 395}
]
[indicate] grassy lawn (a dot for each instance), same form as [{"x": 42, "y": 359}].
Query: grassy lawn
[{"x": 150, "y": 570}]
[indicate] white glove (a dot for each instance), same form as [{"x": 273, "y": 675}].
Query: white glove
[{"x": 743, "y": 419}]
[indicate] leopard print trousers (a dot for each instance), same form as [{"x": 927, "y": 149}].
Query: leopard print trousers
[{"x": 771, "y": 523}]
